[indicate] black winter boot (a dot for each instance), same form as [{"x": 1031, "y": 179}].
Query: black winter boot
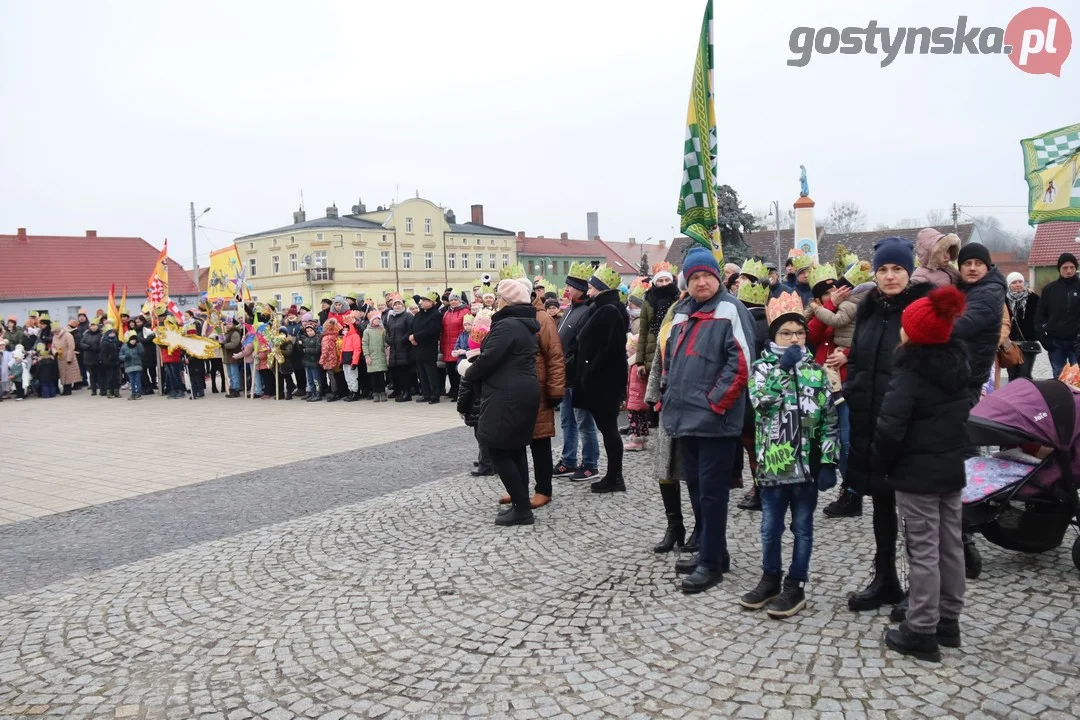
[
  {"x": 790, "y": 601},
  {"x": 752, "y": 499},
  {"x": 921, "y": 646},
  {"x": 884, "y": 589},
  {"x": 676, "y": 532},
  {"x": 767, "y": 588},
  {"x": 691, "y": 545},
  {"x": 948, "y": 633},
  {"x": 972, "y": 558},
  {"x": 608, "y": 484},
  {"x": 849, "y": 504}
]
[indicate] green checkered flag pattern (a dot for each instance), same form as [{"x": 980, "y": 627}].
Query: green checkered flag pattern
[{"x": 1056, "y": 148}]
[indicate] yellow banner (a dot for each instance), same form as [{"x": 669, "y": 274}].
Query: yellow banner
[{"x": 225, "y": 274}]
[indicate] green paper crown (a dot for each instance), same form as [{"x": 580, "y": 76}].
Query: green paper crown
[
  {"x": 512, "y": 272},
  {"x": 821, "y": 273},
  {"x": 753, "y": 293},
  {"x": 580, "y": 271},
  {"x": 755, "y": 269},
  {"x": 849, "y": 260},
  {"x": 608, "y": 276},
  {"x": 858, "y": 273},
  {"x": 800, "y": 262},
  {"x": 637, "y": 289}
]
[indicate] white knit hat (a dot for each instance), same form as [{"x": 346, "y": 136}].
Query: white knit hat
[{"x": 1013, "y": 276}]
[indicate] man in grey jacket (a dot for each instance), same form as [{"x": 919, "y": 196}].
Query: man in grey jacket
[{"x": 706, "y": 369}]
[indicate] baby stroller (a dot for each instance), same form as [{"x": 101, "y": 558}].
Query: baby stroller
[{"x": 1024, "y": 497}]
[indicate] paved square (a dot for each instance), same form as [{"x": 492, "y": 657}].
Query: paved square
[{"x": 367, "y": 580}]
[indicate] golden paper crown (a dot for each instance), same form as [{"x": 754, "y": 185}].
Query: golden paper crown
[
  {"x": 753, "y": 293},
  {"x": 786, "y": 303},
  {"x": 801, "y": 262},
  {"x": 849, "y": 260},
  {"x": 755, "y": 269},
  {"x": 608, "y": 276},
  {"x": 580, "y": 271},
  {"x": 513, "y": 272},
  {"x": 638, "y": 288},
  {"x": 658, "y": 267},
  {"x": 821, "y": 273},
  {"x": 858, "y": 273}
]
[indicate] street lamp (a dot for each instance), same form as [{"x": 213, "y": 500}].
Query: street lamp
[
  {"x": 305, "y": 265},
  {"x": 194, "y": 251},
  {"x": 774, "y": 211}
]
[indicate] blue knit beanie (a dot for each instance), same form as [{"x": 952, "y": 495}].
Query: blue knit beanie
[
  {"x": 698, "y": 260},
  {"x": 894, "y": 251}
]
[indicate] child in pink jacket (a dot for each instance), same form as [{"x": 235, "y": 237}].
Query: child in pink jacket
[{"x": 636, "y": 408}]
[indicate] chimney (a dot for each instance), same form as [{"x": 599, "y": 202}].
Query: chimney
[
  {"x": 663, "y": 243},
  {"x": 91, "y": 233},
  {"x": 564, "y": 236},
  {"x": 478, "y": 214},
  {"x": 521, "y": 234},
  {"x": 22, "y": 235},
  {"x": 539, "y": 237},
  {"x": 299, "y": 216},
  {"x": 633, "y": 241},
  {"x": 331, "y": 212},
  {"x": 592, "y": 221}
]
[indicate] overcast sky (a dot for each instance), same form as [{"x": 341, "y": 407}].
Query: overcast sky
[{"x": 116, "y": 115}]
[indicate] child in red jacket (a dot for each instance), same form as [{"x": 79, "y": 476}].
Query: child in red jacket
[
  {"x": 636, "y": 409},
  {"x": 351, "y": 351}
]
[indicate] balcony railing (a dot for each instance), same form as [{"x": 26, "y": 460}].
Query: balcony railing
[{"x": 317, "y": 275}]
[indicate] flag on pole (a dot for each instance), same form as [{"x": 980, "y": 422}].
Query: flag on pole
[
  {"x": 114, "y": 310},
  {"x": 157, "y": 287},
  {"x": 1052, "y": 170},
  {"x": 697, "y": 196}
]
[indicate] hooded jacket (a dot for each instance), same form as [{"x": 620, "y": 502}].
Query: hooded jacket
[
  {"x": 311, "y": 349},
  {"x": 131, "y": 357},
  {"x": 600, "y": 361},
  {"x": 453, "y": 321},
  {"x": 919, "y": 437},
  {"x": 870, "y": 368},
  {"x": 930, "y": 250},
  {"x": 655, "y": 306},
  {"x": 330, "y": 356},
  {"x": 706, "y": 357},
  {"x": 980, "y": 325},
  {"x": 398, "y": 329},
  {"x": 505, "y": 369},
  {"x": 109, "y": 352},
  {"x": 89, "y": 346}
]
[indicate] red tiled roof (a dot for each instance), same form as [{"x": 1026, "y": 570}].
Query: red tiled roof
[
  {"x": 44, "y": 266},
  {"x": 1052, "y": 239},
  {"x": 633, "y": 251},
  {"x": 556, "y": 247}
]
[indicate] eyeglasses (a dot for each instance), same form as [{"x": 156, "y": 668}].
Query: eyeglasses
[{"x": 788, "y": 334}]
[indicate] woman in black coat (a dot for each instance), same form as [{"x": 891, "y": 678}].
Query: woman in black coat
[
  {"x": 398, "y": 326},
  {"x": 426, "y": 331},
  {"x": 505, "y": 370},
  {"x": 89, "y": 351},
  {"x": 600, "y": 375},
  {"x": 1022, "y": 304},
  {"x": 870, "y": 368}
]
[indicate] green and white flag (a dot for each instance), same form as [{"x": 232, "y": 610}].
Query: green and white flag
[
  {"x": 697, "y": 197},
  {"x": 1052, "y": 170}
]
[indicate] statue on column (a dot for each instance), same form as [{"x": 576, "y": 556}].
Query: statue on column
[{"x": 805, "y": 189}]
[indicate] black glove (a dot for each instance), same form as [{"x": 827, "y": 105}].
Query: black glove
[{"x": 791, "y": 357}]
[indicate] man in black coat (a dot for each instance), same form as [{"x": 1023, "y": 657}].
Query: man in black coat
[
  {"x": 980, "y": 325},
  {"x": 89, "y": 350},
  {"x": 505, "y": 370},
  {"x": 426, "y": 331},
  {"x": 575, "y": 422},
  {"x": 1057, "y": 319}
]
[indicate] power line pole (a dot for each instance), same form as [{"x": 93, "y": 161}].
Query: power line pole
[
  {"x": 194, "y": 251},
  {"x": 955, "y": 216}
]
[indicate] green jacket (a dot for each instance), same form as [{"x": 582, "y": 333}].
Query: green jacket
[
  {"x": 796, "y": 421},
  {"x": 375, "y": 349}
]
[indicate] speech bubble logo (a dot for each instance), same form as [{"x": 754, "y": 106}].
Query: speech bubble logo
[{"x": 1040, "y": 41}]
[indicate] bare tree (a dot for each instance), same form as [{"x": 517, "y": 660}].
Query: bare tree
[
  {"x": 937, "y": 218},
  {"x": 908, "y": 222},
  {"x": 845, "y": 216},
  {"x": 764, "y": 219},
  {"x": 881, "y": 227}
]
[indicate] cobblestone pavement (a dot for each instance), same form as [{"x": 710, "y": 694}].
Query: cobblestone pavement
[{"x": 412, "y": 603}]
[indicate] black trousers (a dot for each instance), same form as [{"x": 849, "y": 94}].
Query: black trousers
[
  {"x": 150, "y": 377},
  {"x": 429, "y": 379},
  {"x": 363, "y": 377},
  {"x": 455, "y": 380},
  {"x": 197, "y": 375},
  {"x": 378, "y": 381},
  {"x": 542, "y": 465},
  {"x": 403, "y": 379},
  {"x": 484, "y": 456},
  {"x": 886, "y": 528},
  {"x": 613, "y": 447},
  {"x": 513, "y": 469},
  {"x": 215, "y": 369},
  {"x": 95, "y": 376},
  {"x": 112, "y": 377}
]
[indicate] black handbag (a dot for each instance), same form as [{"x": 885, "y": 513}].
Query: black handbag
[{"x": 1028, "y": 346}]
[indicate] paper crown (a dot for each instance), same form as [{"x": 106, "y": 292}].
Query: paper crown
[
  {"x": 638, "y": 287},
  {"x": 386, "y": 292},
  {"x": 513, "y": 272},
  {"x": 858, "y": 273},
  {"x": 786, "y": 303},
  {"x": 822, "y": 273},
  {"x": 580, "y": 271},
  {"x": 606, "y": 275},
  {"x": 801, "y": 262},
  {"x": 545, "y": 283},
  {"x": 660, "y": 266},
  {"x": 849, "y": 259},
  {"x": 752, "y": 293},
  {"x": 755, "y": 269}
]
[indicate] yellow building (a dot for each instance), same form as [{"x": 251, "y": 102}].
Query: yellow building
[{"x": 412, "y": 246}]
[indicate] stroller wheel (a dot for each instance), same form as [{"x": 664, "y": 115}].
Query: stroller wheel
[
  {"x": 972, "y": 558},
  {"x": 1076, "y": 553}
]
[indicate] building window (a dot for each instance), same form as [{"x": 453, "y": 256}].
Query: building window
[
  {"x": 359, "y": 258},
  {"x": 408, "y": 292},
  {"x": 408, "y": 224},
  {"x": 318, "y": 237},
  {"x": 384, "y": 259},
  {"x": 492, "y": 262},
  {"x": 451, "y": 261},
  {"x": 464, "y": 261},
  {"x": 464, "y": 241},
  {"x": 320, "y": 258},
  {"x": 406, "y": 261},
  {"x": 359, "y": 237},
  {"x": 252, "y": 267},
  {"x": 340, "y": 240},
  {"x": 384, "y": 238},
  {"x": 293, "y": 267},
  {"x": 277, "y": 300},
  {"x": 506, "y": 260},
  {"x": 429, "y": 260},
  {"x": 251, "y": 246},
  {"x": 427, "y": 226},
  {"x": 566, "y": 267},
  {"x": 275, "y": 263},
  {"x": 493, "y": 242}
]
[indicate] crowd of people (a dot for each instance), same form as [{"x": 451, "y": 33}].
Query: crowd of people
[{"x": 861, "y": 375}]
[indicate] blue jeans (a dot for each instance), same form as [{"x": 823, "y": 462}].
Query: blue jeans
[
  {"x": 135, "y": 382},
  {"x": 312, "y": 376},
  {"x": 843, "y": 412},
  {"x": 1060, "y": 352},
  {"x": 256, "y": 380},
  {"x": 709, "y": 463},
  {"x": 575, "y": 423},
  {"x": 775, "y": 501},
  {"x": 235, "y": 383},
  {"x": 174, "y": 378}
]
